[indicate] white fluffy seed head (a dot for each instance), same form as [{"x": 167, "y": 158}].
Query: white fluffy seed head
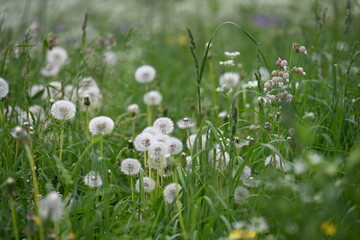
[
  {"x": 110, "y": 58},
  {"x": 133, "y": 109},
  {"x": 159, "y": 163},
  {"x": 277, "y": 162},
  {"x": 152, "y": 130},
  {"x": 158, "y": 150},
  {"x": 229, "y": 80},
  {"x": 57, "y": 56},
  {"x": 152, "y": 98},
  {"x": 175, "y": 146},
  {"x": 88, "y": 88},
  {"x": 240, "y": 195},
  {"x": 38, "y": 112},
  {"x": 164, "y": 124},
  {"x": 35, "y": 89},
  {"x": 143, "y": 141},
  {"x": 130, "y": 166},
  {"x": 101, "y": 125},
  {"x": 145, "y": 74},
  {"x": 53, "y": 90},
  {"x": 93, "y": 179},
  {"x": 148, "y": 183},
  {"x": 222, "y": 159},
  {"x": 51, "y": 207},
  {"x": 185, "y": 123},
  {"x": 171, "y": 191},
  {"x": 190, "y": 144},
  {"x": 63, "y": 110},
  {"x": 4, "y": 88}
]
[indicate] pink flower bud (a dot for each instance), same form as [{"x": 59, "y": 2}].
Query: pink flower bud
[
  {"x": 283, "y": 63},
  {"x": 289, "y": 97},
  {"x": 278, "y": 62},
  {"x": 267, "y": 85},
  {"x": 281, "y": 73},
  {"x": 286, "y": 75},
  {"x": 274, "y": 73},
  {"x": 302, "y": 49}
]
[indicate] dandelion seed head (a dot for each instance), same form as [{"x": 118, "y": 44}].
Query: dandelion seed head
[
  {"x": 192, "y": 141},
  {"x": 133, "y": 109},
  {"x": 164, "y": 124},
  {"x": 185, "y": 123},
  {"x": 93, "y": 179},
  {"x": 222, "y": 159},
  {"x": 145, "y": 74},
  {"x": 57, "y": 56},
  {"x": 158, "y": 150},
  {"x": 63, "y": 110},
  {"x": 110, "y": 58},
  {"x": 35, "y": 89},
  {"x": 229, "y": 80},
  {"x": 130, "y": 166},
  {"x": 246, "y": 173},
  {"x": 175, "y": 146},
  {"x": 152, "y": 130},
  {"x": 158, "y": 163},
  {"x": 101, "y": 125},
  {"x": 152, "y": 98},
  {"x": 38, "y": 112},
  {"x": 240, "y": 195},
  {"x": 143, "y": 141},
  {"x": 18, "y": 132},
  {"x": 4, "y": 88},
  {"x": 277, "y": 162},
  {"x": 51, "y": 207},
  {"x": 148, "y": 183},
  {"x": 171, "y": 191},
  {"x": 53, "y": 90}
]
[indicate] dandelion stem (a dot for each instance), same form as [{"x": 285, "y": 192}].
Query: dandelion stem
[
  {"x": 148, "y": 115},
  {"x": 13, "y": 218},
  {"x": 87, "y": 123},
  {"x": 61, "y": 141},
  {"x": 188, "y": 137},
  {"x": 36, "y": 189},
  {"x": 132, "y": 188}
]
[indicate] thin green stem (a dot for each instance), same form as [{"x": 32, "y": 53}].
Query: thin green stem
[
  {"x": 101, "y": 146},
  {"x": 36, "y": 189},
  {"x": 132, "y": 188},
  {"x": 61, "y": 141},
  {"x": 13, "y": 219}
]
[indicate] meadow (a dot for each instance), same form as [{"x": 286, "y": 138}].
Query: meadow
[{"x": 186, "y": 119}]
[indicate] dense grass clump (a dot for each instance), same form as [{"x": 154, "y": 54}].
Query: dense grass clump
[{"x": 178, "y": 122}]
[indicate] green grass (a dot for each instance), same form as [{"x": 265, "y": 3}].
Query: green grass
[{"x": 321, "y": 202}]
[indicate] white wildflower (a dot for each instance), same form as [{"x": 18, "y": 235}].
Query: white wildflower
[
  {"x": 130, "y": 166},
  {"x": 57, "y": 56},
  {"x": 110, "y": 58},
  {"x": 38, "y": 112},
  {"x": 158, "y": 150},
  {"x": 133, "y": 109},
  {"x": 145, "y": 74},
  {"x": 63, "y": 110},
  {"x": 51, "y": 207},
  {"x": 148, "y": 183},
  {"x": 101, "y": 125},
  {"x": 240, "y": 195},
  {"x": 18, "y": 132},
  {"x": 4, "y": 88},
  {"x": 143, "y": 141},
  {"x": 152, "y": 130},
  {"x": 229, "y": 80},
  {"x": 164, "y": 124},
  {"x": 175, "y": 146},
  {"x": 152, "y": 98},
  {"x": 36, "y": 89},
  {"x": 53, "y": 91},
  {"x": 222, "y": 159},
  {"x": 283, "y": 165},
  {"x": 93, "y": 179},
  {"x": 192, "y": 141},
  {"x": 171, "y": 191},
  {"x": 185, "y": 123}
]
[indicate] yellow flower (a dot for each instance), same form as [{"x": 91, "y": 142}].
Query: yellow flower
[
  {"x": 328, "y": 228},
  {"x": 242, "y": 234}
]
